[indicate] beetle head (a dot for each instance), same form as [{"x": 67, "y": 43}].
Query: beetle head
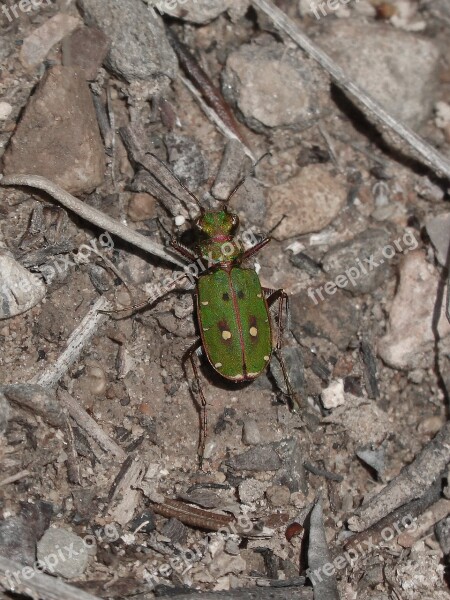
[{"x": 217, "y": 223}]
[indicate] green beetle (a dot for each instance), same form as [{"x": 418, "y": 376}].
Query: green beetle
[
  {"x": 236, "y": 330},
  {"x": 233, "y": 309}
]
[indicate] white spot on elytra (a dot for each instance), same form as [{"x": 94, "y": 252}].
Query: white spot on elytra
[
  {"x": 205, "y": 303},
  {"x": 253, "y": 331},
  {"x": 218, "y": 365},
  {"x": 226, "y": 335}
]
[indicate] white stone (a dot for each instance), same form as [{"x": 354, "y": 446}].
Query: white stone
[
  {"x": 333, "y": 396},
  {"x": 5, "y": 110}
]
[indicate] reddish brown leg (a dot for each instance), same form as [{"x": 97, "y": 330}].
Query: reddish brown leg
[
  {"x": 183, "y": 250},
  {"x": 203, "y": 414},
  {"x": 256, "y": 248},
  {"x": 282, "y": 298},
  {"x": 146, "y": 302}
]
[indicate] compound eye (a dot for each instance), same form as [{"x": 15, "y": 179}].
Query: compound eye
[{"x": 234, "y": 221}]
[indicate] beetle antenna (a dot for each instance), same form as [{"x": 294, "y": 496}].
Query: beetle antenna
[
  {"x": 242, "y": 181},
  {"x": 178, "y": 180}
]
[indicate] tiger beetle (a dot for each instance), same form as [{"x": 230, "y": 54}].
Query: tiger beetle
[{"x": 233, "y": 309}]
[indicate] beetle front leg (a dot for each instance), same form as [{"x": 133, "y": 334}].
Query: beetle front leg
[
  {"x": 181, "y": 249},
  {"x": 254, "y": 249},
  {"x": 194, "y": 350}
]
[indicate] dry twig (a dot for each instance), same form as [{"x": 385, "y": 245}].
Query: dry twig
[
  {"x": 409, "y": 484},
  {"x": 124, "y": 496},
  {"x": 76, "y": 342},
  {"x": 87, "y": 423},
  {"x": 372, "y": 109},
  {"x": 91, "y": 214}
]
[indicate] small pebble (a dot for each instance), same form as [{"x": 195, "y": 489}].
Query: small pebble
[
  {"x": 333, "y": 396},
  {"x": 251, "y": 490},
  {"x": 56, "y": 542},
  {"x": 250, "y": 433},
  {"x": 405, "y": 540},
  {"x": 232, "y": 547},
  {"x": 5, "y": 110},
  {"x": 142, "y": 206},
  {"x": 278, "y": 495},
  {"x": 431, "y": 425}
]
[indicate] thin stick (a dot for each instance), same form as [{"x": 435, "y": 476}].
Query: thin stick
[
  {"x": 38, "y": 585},
  {"x": 91, "y": 214},
  {"x": 91, "y": 427},
  {"x": 16, "y": 477},
  {"x": 76, "y": 342},
  {"x": 422, "y": 150}
]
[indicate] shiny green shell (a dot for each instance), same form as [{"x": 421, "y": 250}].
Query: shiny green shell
[{"x": 234, "y": 323}]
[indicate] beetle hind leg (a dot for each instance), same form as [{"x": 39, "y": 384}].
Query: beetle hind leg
[
  {"x": 196, "y": 350},
  {"x": 283, "y": 320}
]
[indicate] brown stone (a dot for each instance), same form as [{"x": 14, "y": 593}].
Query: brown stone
[
  {"x": 87, "y": 48},
  {"x": 58, "y": 135},
  {"x": 142, "y": 206}
]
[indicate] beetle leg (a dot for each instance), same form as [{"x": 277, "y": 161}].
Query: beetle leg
[
  {"x": 256, "y": 248},
  {"x": 282, "y": 298},
  {"x": 149, "y": 301},
  {"x": 181, "y": 249},
  {"x": 196, "y": 350}
]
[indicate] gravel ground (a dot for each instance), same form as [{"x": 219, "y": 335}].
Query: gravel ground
[{"x": 99, "y": 475}]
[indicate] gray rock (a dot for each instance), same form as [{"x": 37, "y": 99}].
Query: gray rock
[
  {"x": 438, "y": 228},
  {"x": 443, "y": 534},
  {"x": 292, "y": 474},
  {"x": 258, "y": 458},
  {"x": 250, "y": 433},
  {"x": 278, "y": 495},
  {"x": 199, "y": 11},
  {"x": 273, "y": 86},
  {"x": 58, "y": 135},
  {"x": 251, "y": 490},
  {"x": 310, "y": 201},
  {"x": 5, "y": 411},
  {"x": 6, "y": 47},
  {"x": 232, "y": 165},
  {"x": 334, "y": 317},
  {"x": 363, "y": 257},
  {"x": 294, "y": 362},
  {"x": 410, "y": 337},
  {"x": 186, "y": 160},
  {"x": 63, "y": 553},
  {"x": 398, "y": 69},
  {"x": 139, "y": 47},
  {"x": 41, "y": 40}
]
